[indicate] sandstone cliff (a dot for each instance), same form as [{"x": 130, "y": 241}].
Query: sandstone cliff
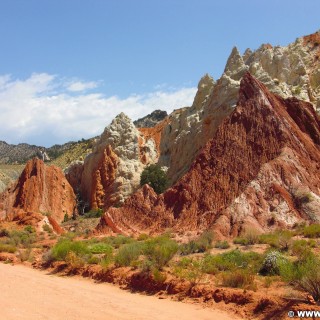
[
  {"x": 287, "y": 71},
  {"x": 39, "y": 190},
  {"x": 112, "y": 171},
  {"x": 260, "y": 169}
]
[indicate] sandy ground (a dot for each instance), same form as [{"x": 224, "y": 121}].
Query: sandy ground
[{"x": 30, "y": 294}]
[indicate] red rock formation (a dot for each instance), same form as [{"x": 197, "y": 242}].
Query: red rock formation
[
  {"x": 40, "y": 189},
  {"x": 249, "y": 175},
  {"x": 152, "y": 133},
  {"x": 103, "y": 178}
]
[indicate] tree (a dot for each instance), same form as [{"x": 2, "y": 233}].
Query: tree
[{"x": 154, "y": 176}]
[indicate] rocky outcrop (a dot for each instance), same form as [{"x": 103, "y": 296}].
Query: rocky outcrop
[
  {"x": 151, "y": 120},
  {"x": 260, "y": 170},
  {"x": 39, "y": 190},
  {"x": 287, "y": 71},
  {"x": 112, "y": 171},
  {"x": 73, "y": 174}
]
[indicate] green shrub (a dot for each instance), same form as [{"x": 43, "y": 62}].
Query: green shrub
[
  {"x": 279, "y": 239},
  {"x": 64, "y": 246},
  {"x": 93, "y": 260},
  {"x": 65, "y": 218},
  {"x": 304, "y": 274},
  {"x": 312, "y": 231},
  {"x": 75, "y": 260},
  {"x": 100, "y": 248},
  {"x": 222, "y": 244},
  {"x": 231, "y": 260},
  {"x": 202, "y": 244},
  {"x": 158, "y": 252},
  {"x": 240, "y": 240},
  {"x": 189, "y": 269},
  {"x": 128, "y": 253},
  {"x": 24, "y": 238},
  {"x": 250, "y": 237},
  {"x": 106, "y": 260},
  {"x": 238, "y": 279},
  {"x": 117, "y": 241},
  {"x": 142, "y": 237},
  {"x": 301, "y": 248},
  {"x": 29, "y": 229},
  {"x": 7, "y": 248},
  {"x": 94, "y": 213},
  {"x": 47, "y": 228},
  {"x": 155, "y": 177},
  {"x": 158, "y": 276}
]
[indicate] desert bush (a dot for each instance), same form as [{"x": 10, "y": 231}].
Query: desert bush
[
  {"x": 250, "y": 237},
  {"x": 22, "y": 238},
  {"x": 303, "y": 274},
  {"x": 127, "y": 254},
  {"x": 222, "y": 244},
  {"x": 94, "y": 213},
  {"x": 29, "y": 229},
  {"x": 312, "y": 231},
  {"x": 202, "y": 244},
  {"x": 271, "y": 263},
  {"x": 154, "y": 176},
  {"x": 25, "y": 255},
  {"x": 117, "y": 241},
  {"x": 142, "y": 237},
  {"x": 231, "y": 260},
  {"x": 238, "y": 279},
  {"x": 93, "y": 260},
  {"x": 158, "y": 252},
  {"x": 189, "y": 269},
  {"x": 47, "y": 228},
  {"x": 7, "y": 248},
  {"x": 159, "y": 276},
  {"x": 301, "y": 248},
  {"x": 106, "y": 260},
  {"x": 64, "y": 246},
  {"x": 279, "y": 239},
  {"x": 74, "y": 260},
  {"x": 97, "y": 248}
]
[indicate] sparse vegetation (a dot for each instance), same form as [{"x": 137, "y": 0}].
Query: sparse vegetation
[
  {"x": 155, "y": 177},
  {"x": 127, "y": 254},
  {"x": 158, "y": 252},
  {"x": 238, "y": 279},
  {"x": 303, "y": 274},
  {"x": 222, "y": 244},
  {"x": 231, "y": 260},
  {"x": 312, "y": 231},
  {"x": 94, "y": 213},
  {"x": 202, "y": 244},
  {"x": 65, "y": 246}
]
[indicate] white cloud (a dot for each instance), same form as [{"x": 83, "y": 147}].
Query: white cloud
[
  {"x": 76, "y": 86},
  {"x": 37, "y": 110}
]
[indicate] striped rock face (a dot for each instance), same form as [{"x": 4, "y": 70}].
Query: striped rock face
[
  {"x": 40, "y": 190},
  {"x": 260, "y": 170},
  {"x": 291, "y": 71}
]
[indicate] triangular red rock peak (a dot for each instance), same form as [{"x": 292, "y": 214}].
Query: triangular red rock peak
[
  {"x": 39, "y": 189},
  {"x": 260, "y": 158}
]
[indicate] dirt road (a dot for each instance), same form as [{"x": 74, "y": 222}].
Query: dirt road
[{"x": 30, "y": 294}]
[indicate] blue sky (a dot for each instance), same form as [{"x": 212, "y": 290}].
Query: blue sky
[{"x": 71, "y": 55}]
